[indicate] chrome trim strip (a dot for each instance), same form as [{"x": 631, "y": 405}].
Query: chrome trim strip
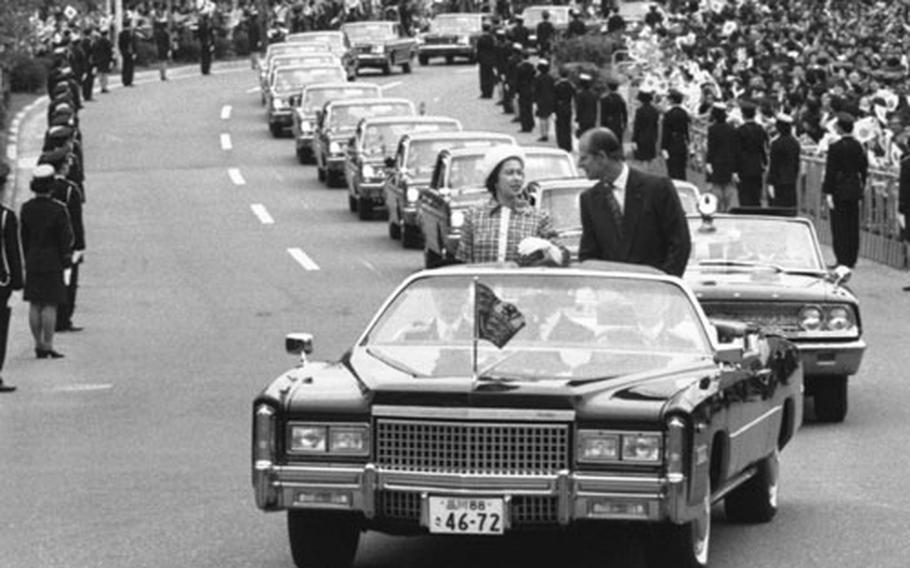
[
  {"x": 497, "y": 414},
  {"x": 829, "y": 346},
  {"x": 755, "y": 422}
]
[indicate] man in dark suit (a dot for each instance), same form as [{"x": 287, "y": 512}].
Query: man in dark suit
[
  {"x": 674, "y": 142},
  {"x": 545, "y": 34},
  {"x": 10, "y": 270},
  {"x": 519, "y": 32},
  {"x": 752, "y": 142},
  {"x": 721, "y": 158},
  {"x": 846, "y": 171},
  {"x": 126, "y": 43},
  {"x": 486, "y": 59},
  {"x": 644, "y": 128},
  {"x": 614, "y": 114},
  {"x": 903, "y": 201},
  {"x": 585, "y": 105},
  {"x": 783, "y": 169},
  {"x": 629, "y": 216},
  {"x": 564, "y": 93},
  {"x": 524, "y": 77}
]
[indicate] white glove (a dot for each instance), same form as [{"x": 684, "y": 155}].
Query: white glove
[
  {"x": 665, "y": 155},
  {"x": 530, "y": 245},
  {"x": 829, "y": 199},
  {"x": 709, "y": 169},
  {"x": 771, "y": 191},
  {"x": 902, "y": 221},
  {"x": 77, "y": 256}
]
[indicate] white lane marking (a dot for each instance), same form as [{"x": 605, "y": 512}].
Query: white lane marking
[
  {"x": 391, "y": 85},
  {"x": 262, "y": 213},
  {"x": 81, "y": 388},
  {"x": 236, "y": 176},
  {"x": 253, "y": 90},
  {"x": 226, "y": 142},
  {"x": 301, "y": 257},
  {"x": 225, "y": 112},
  {"x": 468, "y": 70},
  {"x": 369, "y": 265}
]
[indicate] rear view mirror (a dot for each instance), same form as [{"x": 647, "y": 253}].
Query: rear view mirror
[
  {"x": 390, "y": 162},
  {"x": 298, "y": 343}
]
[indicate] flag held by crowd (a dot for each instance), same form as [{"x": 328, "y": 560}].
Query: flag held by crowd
[{"x": 496, "y": 321}]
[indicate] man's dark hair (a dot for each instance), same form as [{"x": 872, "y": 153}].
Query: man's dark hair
[{"x": 604, "y": 140}]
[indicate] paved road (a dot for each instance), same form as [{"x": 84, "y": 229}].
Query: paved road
[{"x": 133, "y": 451}]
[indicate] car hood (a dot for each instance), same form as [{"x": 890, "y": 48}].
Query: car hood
[
  {"x": 726, "y": 283},
  {"x": 360, "y": 380}
]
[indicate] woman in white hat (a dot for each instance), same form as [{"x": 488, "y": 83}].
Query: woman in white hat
[{"x": 508, "y": 228}]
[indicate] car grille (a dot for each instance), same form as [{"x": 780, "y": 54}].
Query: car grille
[
  {"x": 440, "y": 40},
  {"x": 526, "y": 510},
  {"x": 363, "y": 49},
  {"x": 472, "y": 448},
  {"x": 779, "y": 316}
]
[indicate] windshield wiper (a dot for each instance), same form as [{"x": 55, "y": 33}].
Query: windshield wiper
[
  {"x": 486, "y": 375},
  {"x": 397, "y": 365},
  {"x": 741, "y": 264}
]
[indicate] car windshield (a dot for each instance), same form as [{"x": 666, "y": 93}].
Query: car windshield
[
  {"x": 313, "y": 99},
  {"x": 790, "y": 245},
  {"x": 422, "y": 154},
  {"x": 295, "y": 79},
  {"x": 334, "y": 40},
  {"x": 346, "y": 117},
  {"x": 563, "y": 206},
  {"x": 568, "y": 327},
  {"x": 466, "y": 171},
  {"x": 533, "y": 16},
  {"x": 455, "y": 24},
  {"x": 382, "y": 139},
  {"x": 365, "y": 33},
  {"x": 543, "y": 166},
  {"x": 310, "y": 59}
]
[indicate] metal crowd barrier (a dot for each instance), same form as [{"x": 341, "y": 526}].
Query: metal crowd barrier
[{"x": 880, "y": 236}]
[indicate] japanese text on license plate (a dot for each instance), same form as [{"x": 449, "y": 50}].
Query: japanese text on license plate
[{"x": 457, "y": 515}]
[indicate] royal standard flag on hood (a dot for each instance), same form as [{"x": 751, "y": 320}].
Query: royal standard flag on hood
[{"x": 496, "y": 321}]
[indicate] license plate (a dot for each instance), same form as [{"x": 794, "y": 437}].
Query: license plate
[{"x": 459, "y": 515}]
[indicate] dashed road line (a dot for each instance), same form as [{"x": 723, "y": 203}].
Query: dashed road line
[
  {"x": 301, "y": 257},
  {"x": 252, "y": 90},
  {"x": 391, "y": 85},
  {"x": 262, "y": 214},
  {"x": 81, "y": 388},
  {"x": 226, "y": 142},
  {"x": 369, "y": 266},
  {"x": 225, "y": 112},
  {"x": 236, "y": 176}
]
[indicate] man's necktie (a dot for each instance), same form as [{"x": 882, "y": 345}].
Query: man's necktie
[{"x": 615, "y": 210}]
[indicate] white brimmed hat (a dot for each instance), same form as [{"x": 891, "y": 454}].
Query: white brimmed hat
[{"x": 499, "y": 154}]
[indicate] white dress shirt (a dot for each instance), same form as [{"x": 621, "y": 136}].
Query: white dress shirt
[{"x": 619, "y": 187}]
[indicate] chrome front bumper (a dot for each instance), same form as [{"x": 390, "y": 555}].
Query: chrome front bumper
[
  {"x": 453, "y": 49},
  {"x": 373, "y": 190},
  {"x": 579, "y": 495},
  {"x": 282, "y": 118},
  {"x": 304, "y": 141},
  {"x": 833, "y": 358},
  {"x": 335, "y": 163}
]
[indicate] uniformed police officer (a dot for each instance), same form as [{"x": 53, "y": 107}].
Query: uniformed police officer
[
  {"x": 614, "y": 114},
  {"x": 524, "y": 83},
  {"x": 675, "y": 137},
  {"x": 512, "y": 78},
  {"x": 585, "y": 105},
  {"x": 486, "y": 59},
  {"x": 10, "y": 269},
  {"x": 564, "y": 95},
  {"x": 783, "y": 165}
]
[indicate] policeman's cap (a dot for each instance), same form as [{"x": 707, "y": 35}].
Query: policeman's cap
[
  {"x": 43, "y": 171},
  {"x": 60, "y": 132},
  {"x": 55, "y": 157},
  {"x": 785, "y": 118},
  {"x": 584, "y": 77},
  {"x": 61, "y": 119},
  {"x": 517, "y": 46}
]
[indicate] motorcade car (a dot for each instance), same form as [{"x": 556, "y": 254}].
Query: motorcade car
[
  {"x": 560, "y": 17},
  {"x": 314, "y": 98},
  {"x": 277, "y": 50},
  {"x": 770, "y": 270},
  {"x": 559, "y": 198},
  {"x": 286, "y": 86},
  {"x": 451, "y": 35},
  {"x": 338, "y": 43},
  {"x": 457, "y": 185},
  {"x": 381, "y": 45},
  {"x": 410, "y": 170},
  {"x": 314, "y": 59},
  {"x": 689, "y": 196},
  {"x": 376, "y": 139},
  {"x": 335, "y": 125},
  {"x": 489, "y": 400}
]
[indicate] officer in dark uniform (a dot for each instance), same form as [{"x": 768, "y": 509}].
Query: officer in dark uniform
[
  {"x": 644, "y": 128},
  {"x": 576, "y": 27},
  {"x": 61, "y": 136},
  {"x": 68, "y": 193},
  {"x": 564, "y": 92},
  {"x": 752, "y": 143},
  {"x": 783, "y": 166},
  {"x": 206, "y": 34},
  {"x": 585, "y": 105},
  {"x": 524, "y": 85},
  {"x": 520, "y": 33},
  {"x": 486, "y": 58},
  {"x": 675, "y": 137},
  {"x": 515, "y": 58},
  {"x": 503, "y": 51},
  {"x": 545, "y": 34},
  {"x": 10, "y": 269},
  {"x": 88, "y": 78},
  {"x": 126, "y": 42},
  {"x": 614, "y": 114},
  {"x": 844, "y": 185}
]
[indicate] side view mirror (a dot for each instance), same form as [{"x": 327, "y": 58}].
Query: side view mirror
[
  {"x": 840, "y": 275},
  {"x": 298, "y": 343},
  {"x": 390, "y": 162}
]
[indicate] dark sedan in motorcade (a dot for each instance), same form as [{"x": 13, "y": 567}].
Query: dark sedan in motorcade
[
  {"x": 381, "y": 45},
  {"x": 410, "y": 171},
  {"x": 338, "y": 43},
  {"x": 450, "y": 36},
  {"x": 284, "y": 91},
  {"x": 491, "y": 400},
  {"x": 314, "y": 98},
  {"x": 375, "y": 140}
]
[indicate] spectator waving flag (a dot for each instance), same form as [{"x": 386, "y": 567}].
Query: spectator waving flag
[{"x": 496, "y": 321}]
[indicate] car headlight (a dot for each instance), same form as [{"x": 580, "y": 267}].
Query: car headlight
[
  {"x": 323, "y": 439},
  {"x": 378, "y": 49},
  {"x": 305, "y": 126},
  {"x": 412, "y": 194},
  {"x": 279, "y": 103},
  {"x": 368, "y": 171},
  {"x": 811, "y": 318},
  {"x": 308, "y": 438},
  {"x": 457, "y": 218},
  {"x": 840, "y": 318},
  {"x": 334, "y": 148},
  {"x": 596, "y": 446},
  {"x": 641, "y": 447},
  {"x": 464, "y": 40}
]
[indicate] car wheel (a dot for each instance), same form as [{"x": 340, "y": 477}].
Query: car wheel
[
  {"x": 394, "y": 230},
  {"x": 364, "y": 209},
  {"x": 683, "y": 546},
  {"x": 431, "y": 259},
  {"x": 830, "y": 395},
  {"x": 755, "y": 501},
  {"x": 410, "y": 237},
  {"x": 275, "y": 130},
  {"x": 352, "y": 203},
  {"x": 423, "y": 59},
  {"x": 449, "y": 59},
  {"x": 406, "y": 66},
  {"x": 387, "y": 67},
  {"x": 320, "y": 173},
  {"x": 322, "y": 541}
]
